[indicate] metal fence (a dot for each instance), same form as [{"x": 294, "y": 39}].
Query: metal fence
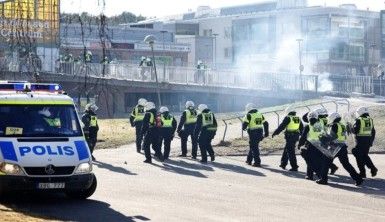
[
  {"x": 231, "y": 78},
  {"x": 278, "y": 114},
  {"x": 352, "y": 84},
  {"x": 192, "y": 76}
]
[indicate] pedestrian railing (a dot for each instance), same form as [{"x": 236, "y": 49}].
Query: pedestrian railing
[
  {"x": 193, "y": 76},
  {"x": 352, "y": 84},
  {"x": 338, "y": 103}
]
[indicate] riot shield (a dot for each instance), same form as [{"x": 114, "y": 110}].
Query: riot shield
[
  {"x": 330, "y": 149},
  {"x": 327, "y": 144}
]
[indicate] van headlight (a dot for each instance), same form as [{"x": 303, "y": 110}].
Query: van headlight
[
  {"x": 84, "y": 168},
  {"x": 11, "y": 169}
]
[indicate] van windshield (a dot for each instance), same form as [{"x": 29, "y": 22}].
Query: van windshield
[{"x": 39, "y": 121}]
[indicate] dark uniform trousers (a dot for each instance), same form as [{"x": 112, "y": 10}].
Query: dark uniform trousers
[
  {"x": 255, "y": 137},
  {"x": 205, "y": 146},
  {"x": 344, "y": 160},
  {"x": 151, "y": 138},
  {"x": 139, "y": 136},
  {"x": 91, "y": 139},
  {"x": 312, "y": 159},
  {"x": 361, "y": 152},
  {"x": 188, "y": 131},
  {"x": 324, "y": 165},
  {"x": 316, "y": 162},
  {"x": 289, "y": 151},
  {"x": 166, "y": 138}
]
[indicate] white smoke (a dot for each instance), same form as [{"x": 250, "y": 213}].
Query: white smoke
[{"x": 324, "y": 83}]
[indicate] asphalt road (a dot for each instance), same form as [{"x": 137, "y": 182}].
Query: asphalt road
[{"x": 226, "y": 190}]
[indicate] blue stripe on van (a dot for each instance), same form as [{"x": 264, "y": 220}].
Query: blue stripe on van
[
  {"x": 82, "y": 149},
  {"x": 8, "y": 151}
]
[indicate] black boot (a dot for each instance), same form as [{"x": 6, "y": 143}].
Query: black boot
[
  {"x": 333, "y": 169},
  {"x": 322, "y": 182},
  {"x": 147, "y": 161},
  {"x": 374, "y": 172},
  {"x": 294, "y": 169},
  {"x": 309, "y": 178},
  {"x": 359, "y": 181}
]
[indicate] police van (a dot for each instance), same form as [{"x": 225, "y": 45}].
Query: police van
[{"x": 42, "y": 145}]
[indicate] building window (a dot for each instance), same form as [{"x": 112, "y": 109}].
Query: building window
[
  {"x": 207, "y": 32},
  {"x": 227, "y": 52},
  {"x": 227, "y": 33}
]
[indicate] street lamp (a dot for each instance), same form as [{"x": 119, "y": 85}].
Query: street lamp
[
  {"x": 371, "y": 63},
  {"x": 164, "y": 54},
  {"x": 301, "y": 67},
  {"x": 215, "y": 49},
  {"x": 150, "y": 39}
]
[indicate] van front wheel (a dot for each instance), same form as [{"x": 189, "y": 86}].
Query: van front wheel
[{"x": 83, "y": 194}]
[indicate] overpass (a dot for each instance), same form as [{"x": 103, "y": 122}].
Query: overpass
[{"x": 116, "y": 87}]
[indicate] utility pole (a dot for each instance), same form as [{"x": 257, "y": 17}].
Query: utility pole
[
  {"x": 215, "y": 50},
  {"x": 150, "y": 39},
  {"x": 164, "y": 55},
  {"x": 301, "y": 68}
]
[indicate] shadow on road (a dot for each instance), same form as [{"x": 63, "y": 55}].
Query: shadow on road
[
  {"x": 237, "y": 169},
  {"x": 299, "y": 175},
  {"x": 58, "y": 207},
  {"x": 113, "y": 168},
  {"x": 181, "y": 170},
  {"x": 195, "y": 166},
  {"x": 375, "y": 187}
]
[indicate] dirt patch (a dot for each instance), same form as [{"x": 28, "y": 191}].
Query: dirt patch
[
  {"x": 240, "y": 146},
  {"x": 114, "y": 133},
  {"x": 378, "y": 114},
  {"x": 9, "y": 215}
]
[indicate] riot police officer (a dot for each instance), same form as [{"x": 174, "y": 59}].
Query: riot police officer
[
  {"x": 365, "y": 134},
  {"x": 338, "y": 132},
  {"x": 91, "y": 127},
  {"x": 293, "y": 125},
  {"x": 323, "y": 117},
  {"x": 257, "y": 128},
  {"x": 316, "y": 162},
  {"x": 205, "y": 131},
  {"x": 151, "y": 133},
  {"x": 136, "y": 120},
  {"x": 167, "y": 131},
  {"x": 188, "y": 122}
]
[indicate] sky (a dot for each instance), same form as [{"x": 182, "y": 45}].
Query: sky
[{"x": 160, "y": 8}]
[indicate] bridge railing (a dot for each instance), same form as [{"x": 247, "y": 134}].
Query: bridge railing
[
  {"x": 352, "y": 84},
  {"x": 193, "y": 76}
]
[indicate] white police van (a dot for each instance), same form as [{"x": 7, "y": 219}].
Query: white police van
[{"x": 42, "y": 145}]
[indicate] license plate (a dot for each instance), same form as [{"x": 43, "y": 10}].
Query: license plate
[{"x": 51, "y": 186}]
